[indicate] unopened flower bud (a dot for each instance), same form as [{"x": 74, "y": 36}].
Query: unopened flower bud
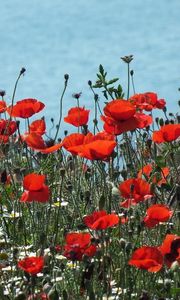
[
  {"x": 2, "y": 93},
  {"x": 23, "y": 70},
  {"x": 122, "y": 243},
  {"x": 66, "y": 77}
]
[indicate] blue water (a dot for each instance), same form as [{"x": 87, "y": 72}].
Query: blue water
[{"x": 53, "y": 37}]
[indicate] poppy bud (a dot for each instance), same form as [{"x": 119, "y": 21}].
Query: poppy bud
[
  {"x": 157, "y": 120},
  {"x": 52, "y": 120},
  {"x": 144, "y": 135},
  {"x": 85, "y": 129},
  {"x": 65, "y": 132},
  {"x": 2, "y": 93},
  {"x": 165, "y": 109},
  {"x": 18, "y": 123},
  {"x": 66, "y": 77},
  {"x": 161, "y": 122},
  {"x": 96, "y": 97},
  {"x": 128, "y": 247},
  {"x": 15, "y": 253},
  {"x": 131, "y": 72},
  {"x": 3, "y": 177},
  {"x": 95, "y": 121},
  {"x": 23, "y": 70},
  {"x": 122, "y": 243},
  {"x": 149, "y": 143},
  {"x": 89, "y": 82},
  {"x": 124, "y": 174}
]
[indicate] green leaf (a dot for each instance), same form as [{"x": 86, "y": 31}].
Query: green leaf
[
  {"x": 112, "y": 81},
  {"x": 160, "y": 161},
  {"x": 97, "y": 85},
  {"x": 100, "y": 77},
  {"x": 175, "y": 291},
  {"x": 101, "y": 70},
  {"x": 105, "y": 94}
]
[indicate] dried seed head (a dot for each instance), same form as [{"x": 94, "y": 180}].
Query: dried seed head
[
  {"x": 127, "y": 59},
  {"x": 77, "y": 95}
]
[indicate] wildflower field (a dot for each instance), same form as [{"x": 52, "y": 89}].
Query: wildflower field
[{"x": 95, "y": 213}]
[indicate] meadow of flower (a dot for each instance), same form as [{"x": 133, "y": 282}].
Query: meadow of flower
[{"x": 92, "y": 214}]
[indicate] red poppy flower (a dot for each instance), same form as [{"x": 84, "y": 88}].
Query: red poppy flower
[
  {"x": 170, "y": 249},
  {"x": 147, "y": 170},
  {"x": 120, "y": 116},
  {"x": 72, "y": 140},
  {"x": 167, "y": 133},
  {"x": 35, "y": 189},
  {"x": 99, "y": 220},
  {"x": 4, "y": 139},
  {"x": 147, "y": 101},
  {"x": 2, "y": 106},
  {"x": 119, "y": 110},
  {"x": 134, "y": 190},
  {"x": 25, "y": 108},
  {"x": 39, "y": 296},
  {"x": 38, "y": 127},
  {"x": 93, "y": 147},
  {"x": 7, "y": 127},
  {"x": 36, "y": 142},
  {"x": 157, "y": 213},
  {"x": 77, "y": 245},
  {"x": 77, "y": 116},
  {"x": 32, "y": 265},
  {"x": 147, "y": 258}
]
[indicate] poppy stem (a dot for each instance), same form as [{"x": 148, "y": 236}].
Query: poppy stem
[
  {"x": 14, "y": 91},
  {"x": 128, "y": 90},
  {"x": 61, "y": 102}
]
